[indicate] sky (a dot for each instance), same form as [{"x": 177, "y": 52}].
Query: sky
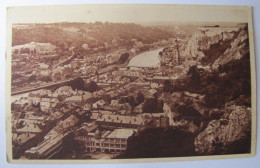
[{"x": 126, "y": 13}]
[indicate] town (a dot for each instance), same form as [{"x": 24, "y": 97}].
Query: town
[{"x": 83, "y": 102}]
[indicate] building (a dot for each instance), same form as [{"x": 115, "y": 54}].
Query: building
[
  {"x": 22, "y": 138},
  {"x": 34, "y": 47},
  {"x": 99, "y": 104},
  {"x": 115, "y": 103},
  {"x": 87, "y": 95},
  {"x": 34, "y": 98},
  {"x": 139, "y": 108},
  {"x": 121, "y": 121},
  {"x": 87, "y": 107},
  {"x": 46, "y": 149},
  {"x": 43, "y": 65},
  {"x": 29, "y": 128},
  {"x": 74, "y": 99},
  {"x": 106, "y": 141},
  {"x": 47, "y": 103}
]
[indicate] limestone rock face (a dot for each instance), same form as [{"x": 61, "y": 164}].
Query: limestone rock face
[
  {"x": 238, "y": 49},
  {"x": 225, "y": 130},
  {"x": 204, "y": 37}
]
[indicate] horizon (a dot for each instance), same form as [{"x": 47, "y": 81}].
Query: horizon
[{"x": 119, "y": 13}]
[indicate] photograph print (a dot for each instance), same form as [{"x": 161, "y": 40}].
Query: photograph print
[{"x": 114, "y": 82}]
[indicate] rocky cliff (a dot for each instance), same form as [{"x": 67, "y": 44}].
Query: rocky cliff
[
  {"x": 238, "y": 49},
  {"x": 234, "y": 125},
  {"x": 217, "y": 45}
]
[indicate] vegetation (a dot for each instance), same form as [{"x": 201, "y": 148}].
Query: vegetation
[
  {"x": 215, "y": 51},
  {"x": 153, "y": 105},
  {"x": 94, "y": 34},
  {"x": 80, "y": 84},
  {"x": 91, "y": 86},
  {"x": 123, "y": 58},
  {"x": 160, "y": 142},
  {"x": 229, "y": 82}
]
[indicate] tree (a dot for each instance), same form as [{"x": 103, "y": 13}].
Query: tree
[
  {"x": 159, "y": 107},
  {"x": 189, "y": 111},
  {"x": 123, "y": 58},
  {"x": 131, "y": 101},
  {"x": 107, "y": 98},
  {"x": 91, "y": 86},
  {"x": 167, "y": 86},
  {"x": 78, "y": 84},
  {"x": 139, "y": 98},
  {"x": 160, "y": 142},
  {"x": 150, "y": 105},
  {"x": 32, "y": 78},
  {"x": 46, "y": 78},
  {"x": 25, "y": 51},
  {"x": 194, "y": 77}
]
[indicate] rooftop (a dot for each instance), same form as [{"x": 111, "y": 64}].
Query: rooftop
[
  {"x": 121, "y": 133},
  {"x": 134, "y": 120}
]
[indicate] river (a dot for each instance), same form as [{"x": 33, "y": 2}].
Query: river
[{"x": 146, "y": 59}]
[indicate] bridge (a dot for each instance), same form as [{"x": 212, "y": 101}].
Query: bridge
[{"x": 41, "y": 87}]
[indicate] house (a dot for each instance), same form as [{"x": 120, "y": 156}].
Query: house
[
  {"x": 99, "y": 93},
  {"x": 87, "y": 107},
  {"x": 162, "y": 121},
  {"x": 139, "y": 108},
  {"x": 57, "y": 114},
  {"x": 34, "y": 98},
  {"x": 113, "y": 94},
  {"x": 125, "y": 108},
  {"x": 23, "y": 138},
  {"x": 115, "y": 103},
  {"x": 99, "y": 104},
  {"x": 43, "y": 65},
  {"x": 29, "y": 128},
  {"x": 22, "y": 101},
  {"x": 74, "y": 99},
  {"x": 64, "y": 91},
  {"x": 64, "y": 124},
  {"x": 48, "y": 103},
  {"x": 154, "y": 85},
  {"x": 87, "y": 95},
  {"x": 86, "y": 128},
  {"x": 122, "y": 121},
  {"x": 45, "y": 72},
  {"x": 151, "y": 93},
  {"x": 70, "y": 121}
]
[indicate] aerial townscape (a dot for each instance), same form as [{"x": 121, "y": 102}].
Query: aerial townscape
[{"x": 126, "y": 90}]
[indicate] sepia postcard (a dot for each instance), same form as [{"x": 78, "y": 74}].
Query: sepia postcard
[{"x": 127, "y": 83}]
